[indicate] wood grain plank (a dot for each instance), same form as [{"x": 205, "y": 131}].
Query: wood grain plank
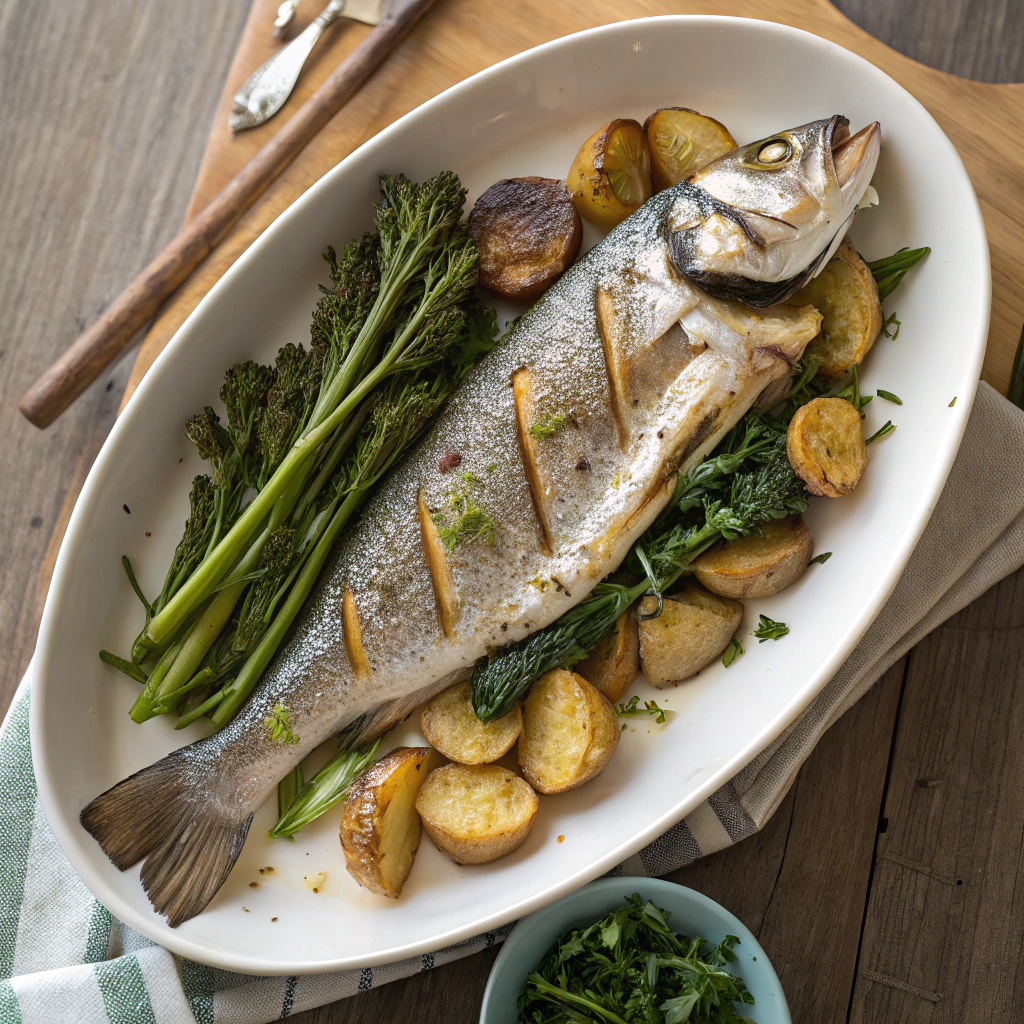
[
  {"x": 944, "y": 931},
  {"x": 799, "y": 885},
  {"x": 104, "y": 115}
]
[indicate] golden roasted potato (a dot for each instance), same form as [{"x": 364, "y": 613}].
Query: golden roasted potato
[
  {"x": 611, "y": 175},
  {"x": 693, "y": 629},
  {"x": 846, "y": 295},
  {"x": 826, "y": 447},
  {"x": 682, "y": 141},
  {"x": 528, "y": 231},
  {"x": 569, "y": 732},
  {"x": 380, "y": 829},
  {"x": 476, "y": 813},
  {"x": 756, "y": 566},
  {"x": 612, "y": 667},
  {"x": 450, "y": 725}
]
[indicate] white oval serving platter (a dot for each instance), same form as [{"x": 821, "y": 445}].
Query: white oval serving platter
[{"x": 525, "y": 116}]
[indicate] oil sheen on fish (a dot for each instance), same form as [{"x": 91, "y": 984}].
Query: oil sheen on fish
[{"x": 569, "y": 435}]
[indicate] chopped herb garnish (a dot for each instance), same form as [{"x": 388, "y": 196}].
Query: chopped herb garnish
[
  {"x": 820, "y": 559},
  {"x": 278, "y": 726},
  {"x": 769, "y": 629},
  {"x": 632, "y": 968},
  {"x": 889, "y": 397},
  {"x": 465, "y": 521},
  {"x": 952, "y": 403},
  {"x": 548, "y": 427},
  {"x": 732, "y": 652},
  {"x": 892, "y": 322},
  {"x": 631, "y": 710},
  {"x": 887, "y": 428},
  {"x": 852, "y": 392}
]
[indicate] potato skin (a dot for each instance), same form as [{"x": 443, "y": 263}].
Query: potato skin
[
  {"x": 589, "y": 181},
  {"x": 476, "y": 813},
  {"x": 756, "y": 566},
  {"x": 695, "y": 626},
  {"x": 570, "y": 731},
  {"x": 612, "y": 667},
  {"x": 529, "y": 232},
  {"x": 451, "y": 727},
  {"x": 826, "y": 447},
  {"x": 846, "y": 295},
  {"x": 378, "y": 853}
]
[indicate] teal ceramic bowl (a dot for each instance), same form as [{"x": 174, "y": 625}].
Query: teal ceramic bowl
[{"x": 692, "y": 914}]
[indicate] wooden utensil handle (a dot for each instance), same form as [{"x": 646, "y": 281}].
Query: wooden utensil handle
[{"x": 83, "y": 362}]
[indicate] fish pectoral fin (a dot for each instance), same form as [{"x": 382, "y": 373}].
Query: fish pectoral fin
[
  {"x": 446, "y": 597},
  {"x": 738, "y": 333},
  {"x": 168, "y": 815},
  {"x": 522, "y": 399}
]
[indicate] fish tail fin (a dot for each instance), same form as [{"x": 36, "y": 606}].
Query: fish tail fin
[{"x": 168, "y": 815}]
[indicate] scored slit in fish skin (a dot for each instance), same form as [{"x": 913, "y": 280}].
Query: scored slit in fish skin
[{"x": 628, "y": 373}]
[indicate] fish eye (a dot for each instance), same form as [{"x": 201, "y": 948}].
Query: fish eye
[{"x": 775, "y": 151}]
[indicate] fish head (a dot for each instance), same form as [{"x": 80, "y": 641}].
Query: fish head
[{"x": 760, "y": 221}]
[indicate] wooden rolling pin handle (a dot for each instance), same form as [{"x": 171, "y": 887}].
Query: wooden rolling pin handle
[{"x": 83, "y": 362}]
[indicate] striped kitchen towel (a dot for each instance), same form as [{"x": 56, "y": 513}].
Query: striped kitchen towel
[{"x": 64, "y": 957}]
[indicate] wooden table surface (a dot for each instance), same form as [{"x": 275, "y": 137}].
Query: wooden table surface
[{"x": 888, "y": 887}]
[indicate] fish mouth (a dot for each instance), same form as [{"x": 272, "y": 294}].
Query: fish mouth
[{"x": 850, "y": 153}]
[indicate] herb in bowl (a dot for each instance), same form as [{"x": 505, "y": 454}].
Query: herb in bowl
[{"x": 632, "y": 968}]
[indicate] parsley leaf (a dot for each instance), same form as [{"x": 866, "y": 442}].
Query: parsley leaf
[{"x": 769, "y": 629}]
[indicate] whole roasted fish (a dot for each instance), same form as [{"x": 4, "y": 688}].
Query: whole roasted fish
[{"x": 545, "y": 466}]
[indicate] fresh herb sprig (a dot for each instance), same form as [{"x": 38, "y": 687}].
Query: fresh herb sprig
[
  {"x": 632, "y": 709},
  {"x": 632, "y": 968},
  {"x": 890, "y": 270},
  {"x": 769, "y": 629}
]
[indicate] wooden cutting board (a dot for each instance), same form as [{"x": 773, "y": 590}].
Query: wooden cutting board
[{"x": 460, "y": 37}]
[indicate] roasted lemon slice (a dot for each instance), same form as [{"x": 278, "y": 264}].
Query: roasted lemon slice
[
  {"x": 682, "y": 141},
  {"x": 611, "y": 175}
]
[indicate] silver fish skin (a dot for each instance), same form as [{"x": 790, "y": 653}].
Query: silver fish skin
[
  {"x": 757, "y": 223},
  {"x": 645, "y": 373}
]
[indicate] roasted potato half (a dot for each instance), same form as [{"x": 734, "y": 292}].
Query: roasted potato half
[
  {"x": 756, "y": 566},
  {"x": 614, "y": 664},
  {"x": 528, "y": 231},
  {"x": 682, "y": 141},
  {"x": 846, "y": 295},
  {"x": 476, "y": 813},
  {"x": 693, "y": 629},
  {"x": 380, "y": 829},
  {"x": 569, "y": 732},
  {"x": 826, "y": 447},
  {"x": 450, "y": 725},
  {"x": 611, "y": 175}
]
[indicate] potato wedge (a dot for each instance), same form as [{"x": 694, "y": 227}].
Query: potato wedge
[
  {"x": 380, "y": 829},
  {"x": 476, "y": 813},
  {"x": 826, "y": 447},
  {"x": 528, "y": 231},
  {"x": 614, "y": 664},
  {"x": 695, "y": 626},
  {"x": 682, "y": 141},
  {"x": 450, "y": 725},
  {"x": 756, "y": 566},
  {"x": 611, "y": 175},
  {"x": 569, "y": 732},
  {"x": 846, "y": 295}
]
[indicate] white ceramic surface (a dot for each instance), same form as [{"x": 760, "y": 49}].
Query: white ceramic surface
[
  {"x": 524, "y": 116},
  {"x": 690, "y": 913}
]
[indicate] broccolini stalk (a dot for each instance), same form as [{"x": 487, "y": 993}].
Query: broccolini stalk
[
  {"x": 427, "y": 266},
  {"x": 734, "y": 493}
]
